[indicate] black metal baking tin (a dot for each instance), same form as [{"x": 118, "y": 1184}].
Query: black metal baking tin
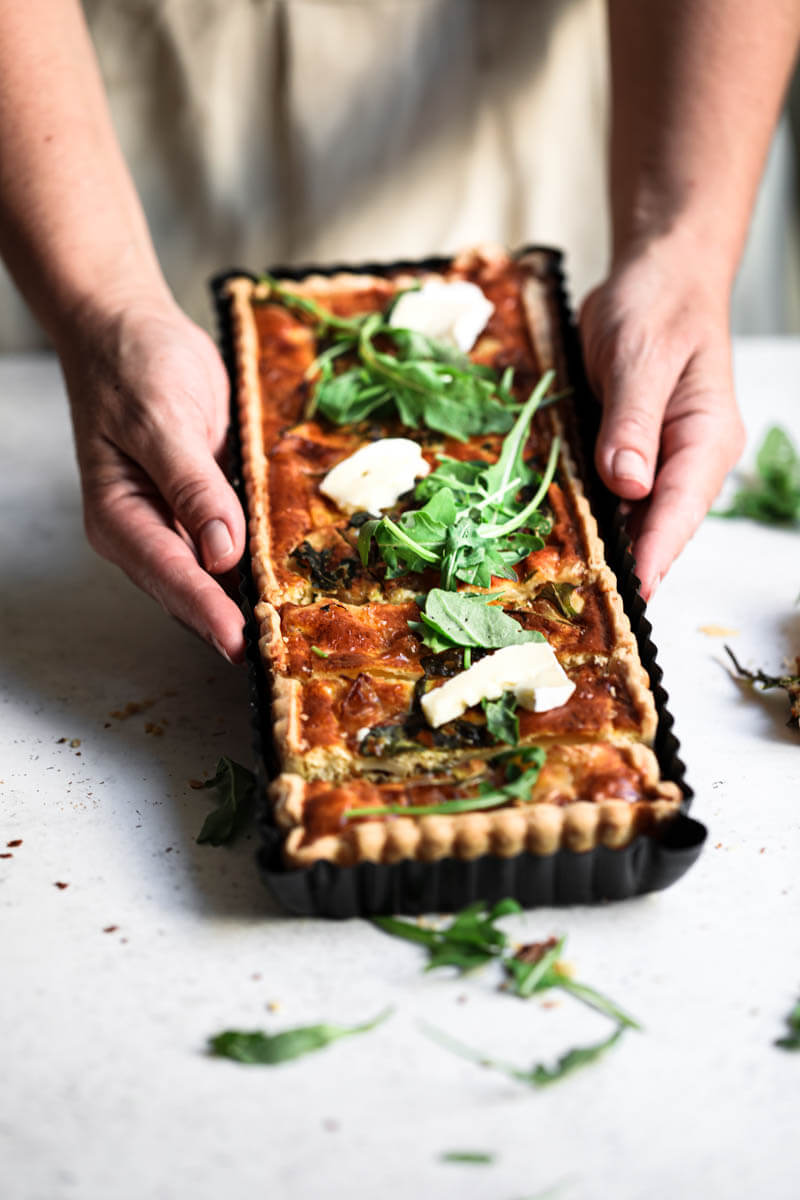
[{"x": 648, "y": 863}]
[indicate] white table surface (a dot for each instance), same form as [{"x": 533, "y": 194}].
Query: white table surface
[{"x": 107, "y": 1092}]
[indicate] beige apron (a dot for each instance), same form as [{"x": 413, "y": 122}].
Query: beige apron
[{"x": 286, "y": 131}]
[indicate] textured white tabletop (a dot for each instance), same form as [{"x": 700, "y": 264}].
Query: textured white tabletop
[{"x": 111, "y": 986}]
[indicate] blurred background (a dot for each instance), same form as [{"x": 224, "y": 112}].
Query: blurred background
[{"x": 267, "y": 132}]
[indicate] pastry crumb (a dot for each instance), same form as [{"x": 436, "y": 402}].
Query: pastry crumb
[{"x": 717, "y": 631}]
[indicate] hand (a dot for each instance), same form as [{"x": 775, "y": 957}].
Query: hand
[
  {"x": 657, "y": 350},
  {"x": 149, "y": 398}
]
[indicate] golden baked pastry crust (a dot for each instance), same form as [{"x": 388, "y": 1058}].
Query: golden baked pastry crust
[{"x": 346, "y": 671}]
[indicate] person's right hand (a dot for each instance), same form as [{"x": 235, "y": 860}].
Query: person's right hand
[{"x": 149, "y": 399}]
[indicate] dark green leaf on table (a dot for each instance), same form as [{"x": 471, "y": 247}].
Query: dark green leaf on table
[
  {"x": 236, "y": 788},
  {"x": 470, "y": 940},
  {"x": 791, "y": 1039},
  {"x": 267, "y": 1049},
  {"x": 773, "y": 497},
  {"x": 468, "y": 1156},
  {"x": 539, "y": 1075}
]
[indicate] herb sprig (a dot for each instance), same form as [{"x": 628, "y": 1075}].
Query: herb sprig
[
  {"x": 236, "y": 789},
  {"x": 424, "y": 382},
  {"x": 257, "y": 1048},
  {"x": 791, "y": 1039},
  {"x": 471, "y": 525},
  {"x": 789, "y": 683},
  {"x": 773, "y": 497},
  {"x": 472, "y": 940}
]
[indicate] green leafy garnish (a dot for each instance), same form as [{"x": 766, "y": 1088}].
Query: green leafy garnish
[
  {"x": 522, "y": 769},
  {"x": 501, "y": 718},
  {"x": 791, "y": 1040},
  {"x": 423, "y": 381},
  {"x": 467, "y": 1156},
  {"x": 469, "y": 941},
  {"x": 267, "y": 1049},
  {"x": 472, "y": 524},
  {"x": 320, "y": 653},
  {"x": 539, "y": 1075},
  {"x": 559, "y": 596},
  {"x": 774, "y": 496},
  {"x": 472, "y": 940},
  {"x": 469, "y": 619},
  {"x": 534, "y": 969},
  {"x": 237, "y": 788}
]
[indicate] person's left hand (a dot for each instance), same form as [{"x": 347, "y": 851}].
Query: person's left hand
[{"x": 657, "y": 351}]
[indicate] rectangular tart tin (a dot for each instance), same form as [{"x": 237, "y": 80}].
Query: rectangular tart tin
[{"x": 648, "y": 863}]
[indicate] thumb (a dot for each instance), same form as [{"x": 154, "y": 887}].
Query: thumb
[
  {"x": 200, "y": 497},
  {"x": 634, "y": 392}
]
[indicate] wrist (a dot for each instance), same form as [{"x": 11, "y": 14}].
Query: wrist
[{"x": 680, "y": 257}]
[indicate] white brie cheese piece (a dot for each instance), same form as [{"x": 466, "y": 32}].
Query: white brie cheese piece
[
  {"x": 375, "y": 476},
  {"x": 453, "y": 313},
  {"x": 531, "y": 671}
]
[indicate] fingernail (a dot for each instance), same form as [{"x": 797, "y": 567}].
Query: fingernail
[
  {"x": 629, "y": 464},
  {"x": 220, "y": 650},
  {"x": 215, "y": 542},
  {"x": 654, "y": 584}
]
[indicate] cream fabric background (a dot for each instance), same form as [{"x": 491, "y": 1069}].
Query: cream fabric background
[{"x": 288, "y": 131}]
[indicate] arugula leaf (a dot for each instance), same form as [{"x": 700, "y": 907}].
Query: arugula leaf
[
  {"x": 467, "y": 1156},
  {"x": 268, "y": 1049},
  {"x": 237, "y": 788},
  {"x": 539, "y": 1075},
  {"x": 791, "y": 1040},
  {"x": 469, "y": 941},
  {"x": 469, "y": 619},
  {"x": 522, "y": 769},
  {"x": 774, "y": 495},
  {"x": 425, "y": 382},
  {"x": 501, "y": 718},
  {"x": 559, "y": 596},
  {"x": 484, "y": 530}
]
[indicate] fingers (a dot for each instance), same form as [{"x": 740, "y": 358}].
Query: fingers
[
  {"x": 130, "y": 528},
  {"x": 194, "y": 487},
  {"x": 700, "y": 447},
  {"x": 634, "y": 377}
]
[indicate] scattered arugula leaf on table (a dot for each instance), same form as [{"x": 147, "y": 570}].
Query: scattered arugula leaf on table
[
  {"x": 791, "y": 1039},
  {"x": 267, "y": 1049},
  {"x": 774, "y": 495},
  {"x": 539, "y": 1075},
  {"x": 236, "y": 787},
  {"x": 467, "y": 1156},
  {"x": 472, "y": 940},
  {"x": 423, "y": 381}
]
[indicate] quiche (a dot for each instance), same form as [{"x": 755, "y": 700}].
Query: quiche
[{"x": 451, "y": 669}]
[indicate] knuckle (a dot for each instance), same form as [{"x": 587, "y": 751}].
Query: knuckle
[{"x": 190, "y": 498}]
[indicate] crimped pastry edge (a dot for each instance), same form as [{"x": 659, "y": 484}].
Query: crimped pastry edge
[{"x": 538, "y": 828}]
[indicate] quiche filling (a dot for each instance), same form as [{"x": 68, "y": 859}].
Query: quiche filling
[{"x": 451, "y": 668}]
